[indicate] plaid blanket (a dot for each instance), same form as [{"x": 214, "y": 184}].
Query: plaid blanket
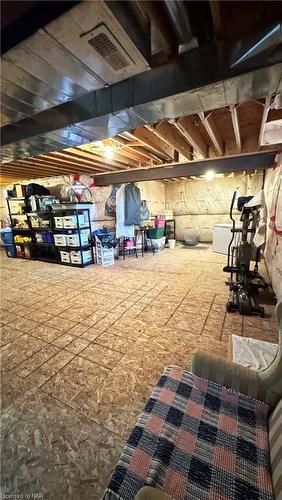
[{"x": 196, "y": 440}]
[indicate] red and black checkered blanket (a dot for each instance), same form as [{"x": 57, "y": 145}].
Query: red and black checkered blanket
[{"x": 196, "y": 440}]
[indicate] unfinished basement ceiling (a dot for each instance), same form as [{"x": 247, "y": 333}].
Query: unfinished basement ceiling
[
  {"x": 111, "y": 72},
  {"x": 221, "y": 132}
]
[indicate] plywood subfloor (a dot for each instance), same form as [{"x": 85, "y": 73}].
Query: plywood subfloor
[{"x": 82, "y": 349}]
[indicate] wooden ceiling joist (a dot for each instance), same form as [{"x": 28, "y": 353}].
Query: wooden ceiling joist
[
  {"x": 69, "y": 159},
  {"x": 66, "y": 166},
  {"x": 212, "y": 131},
  {"x": 263, "y": 120},
  {"x": 128, "y": 153},
  {"x": 156, "y": 14},
  {"x": 169, "y": 134},
  {"x": 193, "y": 135},
  {"x": 142, "y": 152},
  {"x": 145, "y": 146},
  {"x": 148, "y": 138},
  {"x": 55, "y": 166},
  {"x": 236, "y": 128},
  {"x": 36, "y": 168},
  {"x": 24, "y": 171},
  {"x": 98, "y": 158}
]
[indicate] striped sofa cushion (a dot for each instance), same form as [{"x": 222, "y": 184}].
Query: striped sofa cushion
[{"x": 275, "y": 446}]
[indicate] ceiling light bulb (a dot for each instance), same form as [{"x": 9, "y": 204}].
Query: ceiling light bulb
[
  {"x": 209, "y": 175},
  {"x": 108, "y": 152}
]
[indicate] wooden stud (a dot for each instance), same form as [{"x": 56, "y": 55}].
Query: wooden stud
[
  {"x": 143, "y": 152},
  {"x": 168, "y": 133},
  {"x": 67, "y": 165},
  {"x": 147, "y": 147},
  {"x": 145, "y": 135},
  {"x": 212, "y": 132},
  {"x": 64, "y": 157},
  {"x": 263, "y": 120},
  {"x": 156, "y": 14},
  {"x": 216, "y": 17},
  {"x": 193, "y": 135},
  {"x": 236, "y": 128},
  {"x": 98, "y": 157}
]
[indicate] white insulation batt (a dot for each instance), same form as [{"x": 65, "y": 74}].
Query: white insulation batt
[
  {"x": 198, "y": 204},
  {"x": 273, "y": 248}
]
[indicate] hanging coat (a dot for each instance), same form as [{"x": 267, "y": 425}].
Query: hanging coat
[
  {"x": 121, "y": 229},
  {"x": 110, "y": 206},
  {"x": 132, "y": 205}
]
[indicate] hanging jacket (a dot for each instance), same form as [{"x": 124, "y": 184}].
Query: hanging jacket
[
  {"x": 121, "y": 229},
  {"x": 144, "y": 211},
  {"x": 132, "y": 205}
]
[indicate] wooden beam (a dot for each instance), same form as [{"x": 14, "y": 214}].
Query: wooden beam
[
  {"x": 212, "y": 132},
  {"x": 176, "y": 156},
  {"x": 27, "y": 171},
  {"x": 22, "y": 164},
  {"x": 192, "y": 134},
  {"x": 216, "y": 18},
  {"x": 157, "y": 15},
  {"x": 170, "y": 134},
  {"x": 78, "y": 160},
  {"x": 139, "y": 144},
  {"x": 139, "y": 149},
  {"x": 67, "y": 165},
  {"x": 274, "y": 114},
  {"x": 98, "y": 158},
  {"x": 129, "y": 153},
  {"x": 20, "y": 169},
  {"x": 148, "y": 138},
  {"x": 263, "y": 120},
  {"x": 54, "y": 166},
  {"x": 236, "y": 128}
]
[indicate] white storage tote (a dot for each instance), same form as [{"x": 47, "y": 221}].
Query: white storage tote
[
  {"x": 70, "y": 221},
  {"x": 80, "y": 257},
  {"x": 105, "y": 256},
  {"x": 60, "y": 240},
  {"x": 73, "y": 239},
  {"x": 65, "y": 256},
  {"x": 59, "y": 222}
]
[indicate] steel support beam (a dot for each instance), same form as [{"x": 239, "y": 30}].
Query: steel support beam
[{"x": 238, "y": 163}]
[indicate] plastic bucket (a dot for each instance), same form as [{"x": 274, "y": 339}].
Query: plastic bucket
[
  {"x": 7, "y": 237},
  {"x": 171, "y": 243},
  {"x": 10, "y": 250}
]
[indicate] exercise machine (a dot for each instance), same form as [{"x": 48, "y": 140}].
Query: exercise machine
[{"x": 244, "y": 283}]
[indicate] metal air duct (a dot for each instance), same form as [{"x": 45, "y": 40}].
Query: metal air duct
[{"x": 179, "y": 18}]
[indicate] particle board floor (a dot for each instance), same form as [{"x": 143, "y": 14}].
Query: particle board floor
[{"x": 82, "y": 349}]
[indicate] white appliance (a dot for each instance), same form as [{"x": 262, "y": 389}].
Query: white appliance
[{"x": 221, "y": 236}]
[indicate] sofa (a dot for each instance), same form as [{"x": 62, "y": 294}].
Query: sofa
[{"x": 214, "y": 432}]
